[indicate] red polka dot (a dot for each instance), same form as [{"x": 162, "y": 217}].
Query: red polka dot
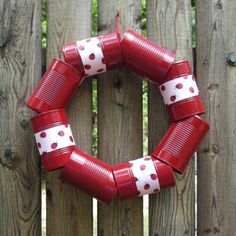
[
  {"x": 146, "y": 158},
  {"x": 43, "y": 135},
  {"x": 153, "y": 176},
  {"x": 39, "y": 145},
  {"x": 53, "y": 145},
  {"x": 163, "y": 88},
  {"x": 191, "y": 89},
  {"x": 172, "y": 98},
  {"x": 88, "y": 40},
  {"x": 81, "y": 47},
  {"x": 92, "y": 56},
  {"x": 155, "y": 190},
  {"x": 61, "y": 133},
  {"x": 138, "y": 192},
  {"x": 87, "y": 67},
  {"x": 146, "y": 186},
  {"x": 71, "y": 139},
  {"x": 103, "y": 61},
  {"x": 66, "y": 125},
  {"x": 99, "y": 45},
  {"x": 179, "y": 86},
  {"x": 142, "y": 167},
  {"x": 100, "y": 70}
]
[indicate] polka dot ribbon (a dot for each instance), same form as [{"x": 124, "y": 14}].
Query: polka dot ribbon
[
  {"x": 92, "y": 56},
  {"x": 145, "y": 175},
  {"x": 179, "y": 89},
  {"x": 54, "y": 138}
]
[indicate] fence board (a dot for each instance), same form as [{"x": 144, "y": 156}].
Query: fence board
[
  {"x": 20, "y": 69},
  {"x": 119, "y": 122},
  {"x": 69, "y": 211},
  {"x": 171, "y": 212},
  {"x": 216, "y": 38}
]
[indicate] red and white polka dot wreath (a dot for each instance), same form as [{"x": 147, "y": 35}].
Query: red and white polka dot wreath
[{"x": 96, "y": 55}]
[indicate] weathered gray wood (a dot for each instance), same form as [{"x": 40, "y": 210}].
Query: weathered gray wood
[
  {"x": 20, "y": 69},
  {"x": 216, "y": 38},
  {"x": 69, "y": 211},
  {"x": 171, "y": 212},
  {"x": 119, "y": 122}
]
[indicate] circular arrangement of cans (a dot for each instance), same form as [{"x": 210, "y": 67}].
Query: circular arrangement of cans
[{"x": 144, "y": 175}]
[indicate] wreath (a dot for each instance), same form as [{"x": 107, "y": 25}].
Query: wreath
[{"x": 96, "y": 55}]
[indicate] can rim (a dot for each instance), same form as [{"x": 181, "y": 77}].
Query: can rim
[
  {"x": 46, "y": 112},
  {"x": 75, "y": 71},
  {"x": 203, "y": 120}
]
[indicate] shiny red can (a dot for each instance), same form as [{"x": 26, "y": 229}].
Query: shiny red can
[
  {"x": 94, "y": 55},
  {"x": 145, "y": 57},
  {"x": 54, "y": 138},
  {"x": 180, "y": 92},
  {"x": 180, "y": 142},
  {"x": 145, "y": 175},
  {"x": 56, "y": 88},
  {"x": 90, "y": 175}
]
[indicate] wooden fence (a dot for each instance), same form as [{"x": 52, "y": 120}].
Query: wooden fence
[{"x": 69, "y": 211}]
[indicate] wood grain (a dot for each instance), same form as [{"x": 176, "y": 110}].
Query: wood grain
[
  {"x": 20, "y": 69},
  {"x": 171, "y": 212},
  {"x": 119, "y": 122},
  {"x": 69, "y": 211},
  {"x": 216, "y": 38}
]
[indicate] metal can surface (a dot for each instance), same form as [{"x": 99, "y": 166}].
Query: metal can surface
[
  {"x": 180, "y": 92},
  {"x": 145, "y": 57},
  {"x": 53, "y": 137},
  {"x": 180, "y": 142},
  {"x": 56, "y": 88},
  {"x": 94, "y": 55},
  {"x": 142, "y": 176},
  {"x": 90, "y": 175}
]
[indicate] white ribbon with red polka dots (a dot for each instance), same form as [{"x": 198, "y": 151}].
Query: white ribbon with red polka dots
[
  {"x": 179, "y": 89},
  {"x": 92, "y": 56},
  {"x": 145, "y": 175},
  {"x": 54, "y": 138}
]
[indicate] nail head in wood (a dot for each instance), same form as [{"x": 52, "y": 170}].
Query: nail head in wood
[{"x": 231, "y": 59}]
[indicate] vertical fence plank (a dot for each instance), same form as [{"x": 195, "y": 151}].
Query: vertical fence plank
[
  {"x": 20, "y": 69},
  {"x": 119, "y": 122},
  {"x": 69, "y": 211},
  {"x": 216, "y": 38},
  {"x": 171, "y": 211}
]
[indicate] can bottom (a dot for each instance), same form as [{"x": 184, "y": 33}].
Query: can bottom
[{"x": 58, "y": 160}]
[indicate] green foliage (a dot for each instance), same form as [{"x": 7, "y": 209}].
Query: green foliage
[
  {"x": 95, "y": 18},
  {"x": 44, "y": 24},
  {"x": 94, "y": 91},
  {"x": 145, "y": 118},
  {"x": 144, "y": 17},
  {"x": 94, "y": 112},
  {"x": 193, "y": 26}
]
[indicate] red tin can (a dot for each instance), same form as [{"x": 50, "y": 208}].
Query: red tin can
[
  {"x": 56, "y": 88},
  {"x": 94, "y": 55},
  {"x": 180, "y": 92},
  {"x": 145, "y": 57},
  {"x": 180, "y": 142},
  {"x": 53, "y": 137},
  {"x": 145, "y": 175},
  {"x": 90, "y": 175}
]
